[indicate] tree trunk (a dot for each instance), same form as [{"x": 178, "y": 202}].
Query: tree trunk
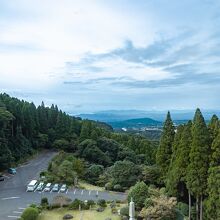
[
  {"x": 201, "y": 214},
  {"x": 197, "y": 208},
  {"x": 189, "y": 205}
]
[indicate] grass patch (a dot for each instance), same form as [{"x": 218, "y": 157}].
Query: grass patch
[
  {"x": 87, "y": 214},
  {"x": 88, "y": 186}
]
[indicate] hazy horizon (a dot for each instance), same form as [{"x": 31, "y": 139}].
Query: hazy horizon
[{"x": 101, "y": 55}]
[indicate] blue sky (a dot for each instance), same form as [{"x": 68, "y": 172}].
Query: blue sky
[{"x": 96, "y": 55}]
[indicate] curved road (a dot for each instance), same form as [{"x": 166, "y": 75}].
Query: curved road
[{"x": 14, "y": 198}]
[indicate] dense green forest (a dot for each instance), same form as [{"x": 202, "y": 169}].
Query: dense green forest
[
  {"x": 189, "y": 162},
  {"x": 25, "y": 128}
]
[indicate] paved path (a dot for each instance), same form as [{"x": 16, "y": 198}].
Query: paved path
[{"x": 14, "y": 198}]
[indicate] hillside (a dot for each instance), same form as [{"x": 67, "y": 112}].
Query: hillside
[{"x": 136, "y": 123}]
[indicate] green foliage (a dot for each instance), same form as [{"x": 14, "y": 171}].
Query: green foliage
[
  {"x": 124, "y": 211},
  {"x": 124, "y": 173},
  {"x": 164, "y": 151},
  {"x": 61, "y": 144},
  {"x": 199, "y": 156},
  {"x": 64, "y": 167},
  {"x": 150, "y": 175},
  {"x": 76, "y": 204},
  {"x": 102, "y": 203},
  {"x": 176, "y": 178},
  {"x": 183, "y": 207},
  {"x": 93, "y": 173},
  {"x": 212, "y": 204},
  {"x": 139, "y": 193},
  {"x": 44, "y": 202},
  {"x": 30, "y": 214}
]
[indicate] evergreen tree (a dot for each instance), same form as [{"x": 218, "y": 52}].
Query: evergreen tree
[
  {"x": 164, "y": 151},
  {"x": 214, "y": 126},
  {"x": 173, "y": 179},
  {"x": 213, "y": 200},
  {"x": 199, "y": 161}
]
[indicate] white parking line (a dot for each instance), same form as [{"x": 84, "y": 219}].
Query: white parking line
[
  {"x": 21, "y": 208},
  {"x": 59, "y": 190},
  {"x": 10, "y": 198},
  {"x": 13, "y": 216},
  {"x": 66, "y": 191},
  {"x": 17, "y": 212},
  {"x": 82, "y": 192},
  {"x": 89, "y": 192},
  {"x": 74, "y": 192}
]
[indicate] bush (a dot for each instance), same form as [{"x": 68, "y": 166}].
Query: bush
[
  {"x": 33, "y": 205},
  {"x": 148, "y": 202},
  {"x": 108, "y": 186},
  {"x": 90, "y": 203},
  {"x": 102, "y": 203},
  {"x": 75, "y": 205},
  {"x": 114, "y": 210},
  {"x": 117, "y": 187},
  {"x": 30, "y": 214},
  {"x": 139, "y": 193},
  {"x": 44, "y": 201},
  {"x": 124, "y": 211}
]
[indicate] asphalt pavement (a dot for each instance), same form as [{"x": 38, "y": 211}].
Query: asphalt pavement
[{"x": 14, "y": 198}]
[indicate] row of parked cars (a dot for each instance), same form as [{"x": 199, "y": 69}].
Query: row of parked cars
[
  {"x": 10, "y": 171},
  {"x": 41, "y": 186}
]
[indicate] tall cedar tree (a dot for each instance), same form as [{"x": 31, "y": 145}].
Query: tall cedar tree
[
  {"x": 164, "y": 151},
  {"x": 214, "y": 126},
  {"x": 199, "y": 161},
  {"x": 213, "y": 200},
  {"x": 172, "y": 179}
]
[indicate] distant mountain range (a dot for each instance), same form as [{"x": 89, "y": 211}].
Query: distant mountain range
[{"x": 123, "y": 115}]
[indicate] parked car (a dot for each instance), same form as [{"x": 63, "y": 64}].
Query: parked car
[
  {"x": 2, "y": 178},
  {"x": 12, "y": 171},
  {"x": 48, "y": 187},
  {"x": 63, "y": 188},
  {"x": 32, "y": 186},
  {"x": 55, "y": 188},
  {"x": 40, "y": 186}
]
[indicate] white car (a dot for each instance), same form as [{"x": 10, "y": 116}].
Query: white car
[
  {"x": 48, "y": 187},
  {"x": 32, "y": 186},
  {"x": 63, "y": 188}
]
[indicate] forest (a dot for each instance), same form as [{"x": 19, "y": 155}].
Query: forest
[
  {"x": 100, "y": 152},
  {"x": 180, "y": 174}
]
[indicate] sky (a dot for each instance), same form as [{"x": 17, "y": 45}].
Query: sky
[{"x": 88, "y": 56}]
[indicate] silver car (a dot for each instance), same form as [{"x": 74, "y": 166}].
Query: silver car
[
  {"x": 48, "y": 187},
  {"x": 55, "y": 188},
  {"x": 63, "y": 188}
]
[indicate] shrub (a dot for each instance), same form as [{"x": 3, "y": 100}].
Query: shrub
[
  {"x": 30, "y": 214},
  {"x": 117, "y": 187},
  {"x": 114, "y": 210},
  {"x": 90, "y": 203},
  {"x": 139, "y": 192},
  {"x": 124, "y": 211},
  {"x": 33, "y": 205},
  {"x": 108, "y": 186},
  {"x": 102, "y": 203},
  {"x": 75, "y": 204},
  {"x": 44, "y": 201}
]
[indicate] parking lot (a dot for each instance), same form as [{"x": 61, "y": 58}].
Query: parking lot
[{"x": 14, "y": 197}]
